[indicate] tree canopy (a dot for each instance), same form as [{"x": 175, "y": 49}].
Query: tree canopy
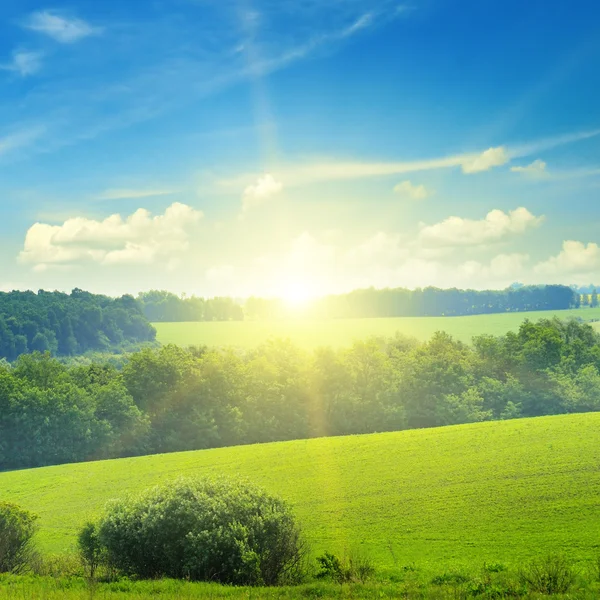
[
  {"x": 69, "y": 324},
  {"x": 170, "y": 399},
  {"x": 162, "y": 306}
]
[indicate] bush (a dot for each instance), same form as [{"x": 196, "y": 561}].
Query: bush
[
  {"x": 354, "y": 568},
  {"x": 91, "y": 551},
  {"x": 17, "y": 528},
  {"x": 549, "y": 575},
  {"x": 204, "y": 530}
]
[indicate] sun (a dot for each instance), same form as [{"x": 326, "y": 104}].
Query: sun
[{"x": 297, "y": 294}]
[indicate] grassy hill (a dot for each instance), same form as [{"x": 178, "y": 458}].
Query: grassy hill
[
  {"x": 342, "y": 332},
  {"x": 491, "y": 491}
]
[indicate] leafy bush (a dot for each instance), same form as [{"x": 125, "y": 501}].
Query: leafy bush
[
  {"x": 91, "y": 551},
  {"x": 17, "y": 528},
  {"x": 550, "y": 575},
  {"x": 200, "y": 529},
  {"x": 354, "y": 568}
]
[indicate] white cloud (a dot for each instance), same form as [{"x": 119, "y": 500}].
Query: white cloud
[
  {"x": 410, "y": 190},
  {"x": 258, "y": 193},
  {"x": 140, "y": 238},
  {"x": 497, "y": 225},
  {"x": 62, "y": 29},
  {"x": 24, "y": 63},
  {"x": 127, "y": 193},
  {"x": 536, "y": 169},
  {"x": 502, "y": 269},
  {"x": 492, "y": 157},
  {"x": 574, "y": 258}
]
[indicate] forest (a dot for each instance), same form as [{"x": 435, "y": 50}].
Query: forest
[
  {"x": 162, "y": 306},
  {"x": 69, "y": 324},
  {"x": 170, "y": 399}
]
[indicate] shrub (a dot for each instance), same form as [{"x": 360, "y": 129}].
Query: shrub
[
  {"x": 91, "y": 551},
  {"x": 355, "y": 567},
  {"x": 205, "y": 530},
  {"x": 550, "y": 575},
  {"x": 17, "y": 528}
]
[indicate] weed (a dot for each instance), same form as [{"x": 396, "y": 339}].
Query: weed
[{"x": 553, "y": 574}]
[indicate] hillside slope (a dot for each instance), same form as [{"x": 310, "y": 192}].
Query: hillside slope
[{"x": 489, "y": 491}]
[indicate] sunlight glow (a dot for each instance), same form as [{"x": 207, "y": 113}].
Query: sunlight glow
[{"x": 297, "y": 294}]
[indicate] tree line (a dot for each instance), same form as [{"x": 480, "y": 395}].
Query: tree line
[
  {"x": 69, "y": 324},
  {"x": 390, "y": 302},
  {"x": 170, "y": 399}
]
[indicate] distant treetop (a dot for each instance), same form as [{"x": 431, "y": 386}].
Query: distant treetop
[{"x": 69, "y": 324}]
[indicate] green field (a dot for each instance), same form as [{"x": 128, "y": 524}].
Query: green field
[
  {"x": 342, "y": 332},
  {"x": 502, "y": 491}
]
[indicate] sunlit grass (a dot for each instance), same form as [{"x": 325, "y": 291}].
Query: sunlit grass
[
  {"x": 342, "y": 332},
  {"x": 497, "y": 491}
]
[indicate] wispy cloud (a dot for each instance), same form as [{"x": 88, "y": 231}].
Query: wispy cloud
[
  {"x": 549, "y": 143},
  {"x": 24, "y": 63},
  {"x": 409, "y": 189},
  {"x": 20, "y": 139},
  {"x": 60, "y": 28},
  {"x": 163, "y": 81},
  {"x": 129, "y": 193},
  {"x": 470, "y": 163},
  {"x": 536, "y": 169}
]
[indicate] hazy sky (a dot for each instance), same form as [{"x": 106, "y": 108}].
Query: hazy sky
[{"x": 298, "y": 146}]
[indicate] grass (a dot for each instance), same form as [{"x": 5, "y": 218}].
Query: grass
[
  {"x": 342, "y": 332},
  {"x": 412, "y": 587},
  {"x": 449, "y": 497}
]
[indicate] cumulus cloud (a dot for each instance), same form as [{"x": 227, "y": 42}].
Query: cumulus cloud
[
  {"x": 492, "y": 157},
  {"x": 258, "y": 193},
  {"x": 61, "y": 29},
  {"x": 536, "y": 169},
  {"x": 574, "y": 258},
  {"x": 139, "y": 238},
  {"x": 501, "y": 270},
  {"x": 497, "y": 225},
  {"x": 24, "y": 63},
  {"x": 410, "y": 190}
]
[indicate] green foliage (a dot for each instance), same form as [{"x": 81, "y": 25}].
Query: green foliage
[
  {"x": 51, "y": 414},
  {"x": 553, "y": 574},
  {"x": 355, "y": 568},
  {"x": 199, "y": 529},
  {"x": 69, "y": 324},
  {"x": 17, "y": 528},
  {"x": 170, "y": 399},
  {"x": 163, "y": 306},
  {"x": 91, "y": 551}
]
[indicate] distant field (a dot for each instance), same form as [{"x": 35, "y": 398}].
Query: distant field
[
  {"x": 502, "y": 491},
  {"x": 342, "y": 332}
]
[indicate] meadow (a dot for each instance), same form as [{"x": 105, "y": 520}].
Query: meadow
[
  {"x": 342, "y": 332},
  {"x": 438, "y": 498}
]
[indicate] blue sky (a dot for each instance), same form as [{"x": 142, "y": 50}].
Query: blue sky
[{"x": 298, "y": 147}]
